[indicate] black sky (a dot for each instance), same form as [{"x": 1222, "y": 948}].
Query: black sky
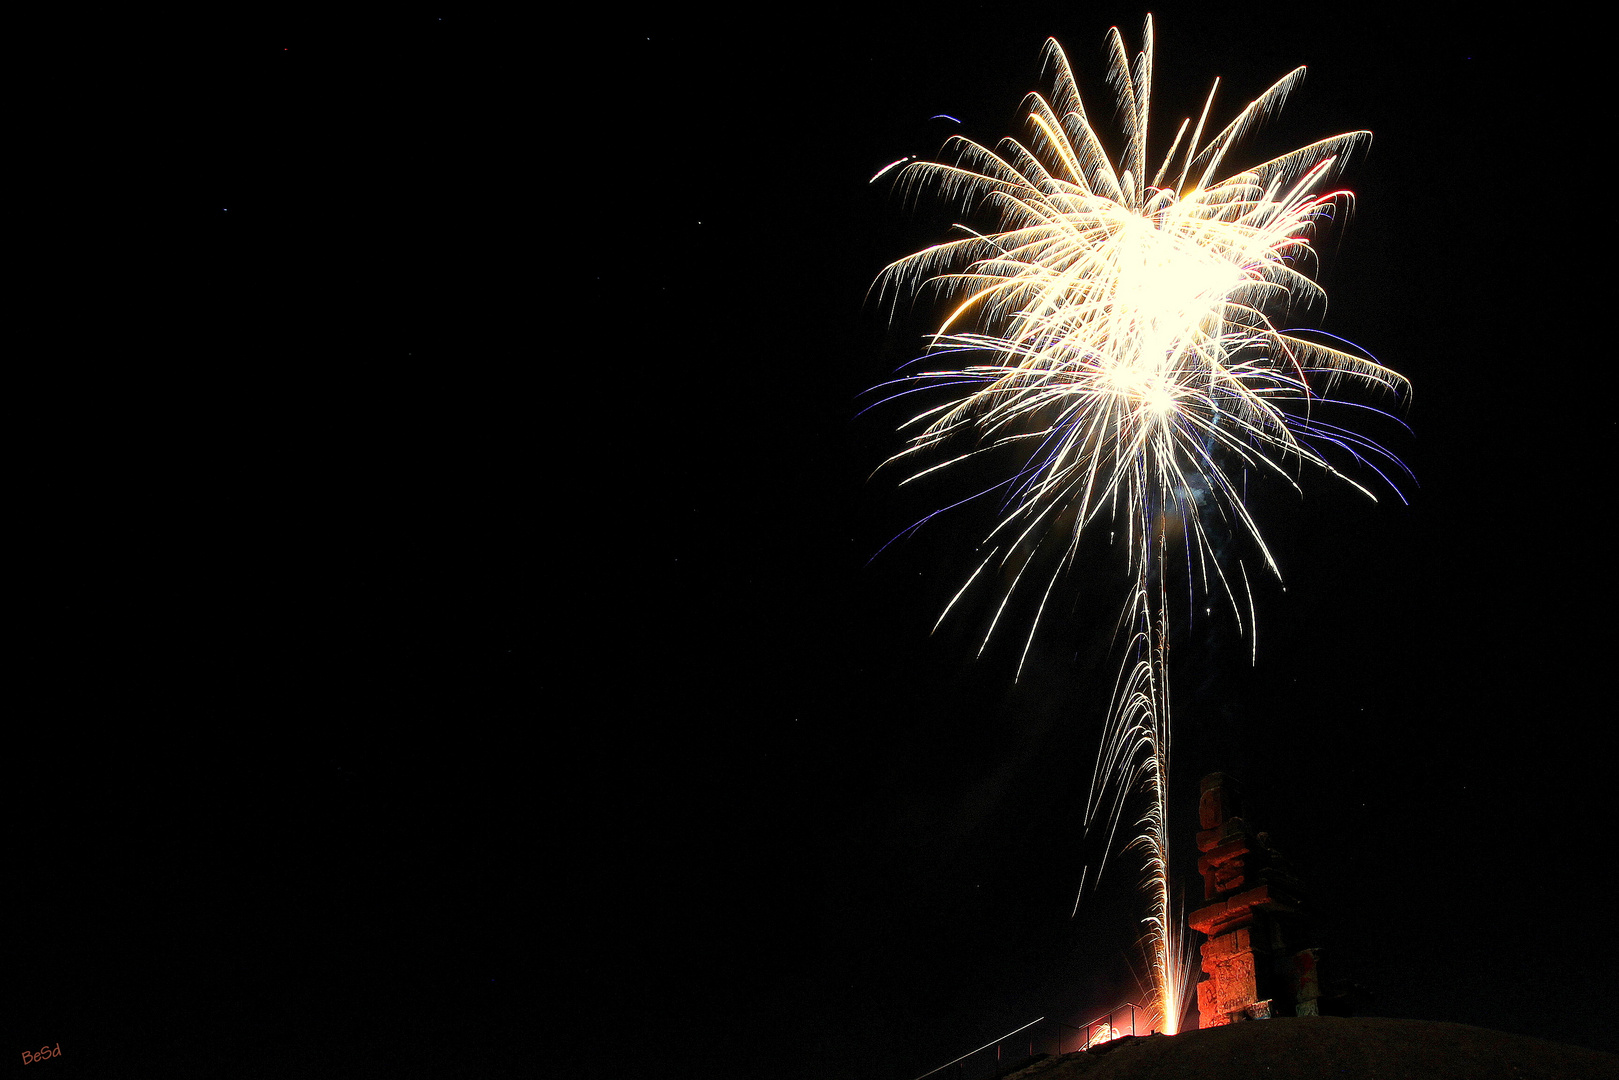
[
  {"x": 273, "y": 780},
  {"x": 451, "y": 637}
]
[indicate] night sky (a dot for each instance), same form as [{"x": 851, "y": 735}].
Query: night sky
[{"x": 453, "y": 638}]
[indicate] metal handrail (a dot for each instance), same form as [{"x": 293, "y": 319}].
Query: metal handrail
[
  {"x": 996, "y": 1043},
  {"x": 1088, "y": 1031},
  {"x": 1107, "y": 1018}
]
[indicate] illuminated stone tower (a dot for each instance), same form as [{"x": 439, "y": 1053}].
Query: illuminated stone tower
[{"x": 1253, "y": 961}]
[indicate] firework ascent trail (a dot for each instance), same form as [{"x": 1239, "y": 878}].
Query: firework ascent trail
[{"x": 1114, "y": 330}]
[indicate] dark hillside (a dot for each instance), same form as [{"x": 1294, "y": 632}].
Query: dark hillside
[{"x": 1309, "y": 1048}]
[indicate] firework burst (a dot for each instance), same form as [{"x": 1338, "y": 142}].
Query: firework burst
[{"x": 1116, "y": 329}]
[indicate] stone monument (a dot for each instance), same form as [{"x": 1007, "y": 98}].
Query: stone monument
[{"x": 1256, "y": 962}]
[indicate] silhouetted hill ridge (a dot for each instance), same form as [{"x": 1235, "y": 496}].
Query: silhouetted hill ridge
[{"x": 1309, "y": 1048}]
